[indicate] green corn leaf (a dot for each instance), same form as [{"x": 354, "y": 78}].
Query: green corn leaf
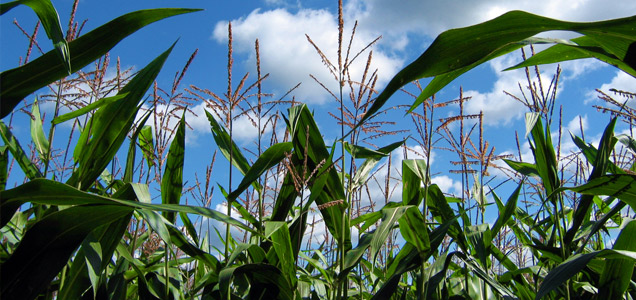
[
  {"x": 172, "y": 180},
  {"x": 109, "y": 126},
  {"x": 372, "y": 157},
  {"x": 508, "y": 211},
  {"x": 590, "y": 153},
  {"x": 483, "y": 274},
  {"x": 456, "y": 51},
  {"x": 223, "y": 141},
  {"x": 43, "y": 191},
  {"x": 545, "y": 157},
  {"x": 16, "y": 84},
  {"x": 147, "y": 145},
  {"x": 617, "y": 273},
  {"x": 576, "y": 263},
  {"x": 37, "y": 133},
  {"x": 443, "y": 213},
  {"x": 132, "y": 150},
  {"x": 409, "y": 259},
  {"x": 256, "y": 253},
  {"x": 414, "y": 230},
  {"x": 50, "y": 21},
  {"x": 282, "y": 247},
  {"x": 48, "y": 245},
  {"x": 266, "y": 282},
  {"x": 5, "y": 7},
  {"x": 29, "y": 169},
  {"x": 88, "y": 108},
  {"x": 480, "y": 238},
  {"x": 107, "y": 237},
  {"x": 600, "y": 166},
  {"x": 4, "y": 165},
  {"x": 158, "y": 224},
  {"x": 187, "y": 223},
  {"x": 180, "y": 241},
  {"x": 621, "y": 186},
  {"x": 523, "y": 168},
  {"x": 245, "y": 215},
  {"x": 271, "y": 157},
  {"x": 413, "y": 176},
  {"x": 308, "y": 141},
  {"x": 389, "y": 218},
  {"x": 373, "y": 240},
  {"x": 583, "y": 47}
]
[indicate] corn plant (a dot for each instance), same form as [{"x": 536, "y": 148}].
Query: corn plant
[{"x": 97, "y": 233}]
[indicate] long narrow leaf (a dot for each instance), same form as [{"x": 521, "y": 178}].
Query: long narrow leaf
[
  {"x": 457, "y": 50},
  {"x": 576, "y": 263},
  {"x": 16, "y": 84},
  {"x": 88, "y": 108},
  {"x": 268, "y": 159},
  {"x": 37, "y": 133},
  {"x": 43, "y": 191},
  {"x": 110, "y": 125},
  {"x": 172, "y": 180},
  {"x": 48, "y": 245},
  {"x": 51, "y": 22},
  {"x": 29, "y": 169}
]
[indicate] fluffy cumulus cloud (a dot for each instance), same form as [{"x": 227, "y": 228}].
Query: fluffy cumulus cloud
[
  {"x": 433, "y": 17},
  {"x": 289, "y": 57}
]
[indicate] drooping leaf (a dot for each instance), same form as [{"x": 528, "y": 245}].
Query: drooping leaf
[
  {"x": 109, "y": 126},
  {"x": 576, "y": 263},
  {"x": 621, "y": 186},
  {"x": 51, "y": 22},
  {"x": 43, "y": 191},
  {"x": 172, "y": 180},
  {"x": 523, "y": 168},
  {"x": 456, "y": 51},
  {"x": 16, "y": 84},
  {"x": 593, "y": 46}
]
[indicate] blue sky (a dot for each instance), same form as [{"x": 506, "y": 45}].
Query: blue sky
[{"x": 406, "y": 28}]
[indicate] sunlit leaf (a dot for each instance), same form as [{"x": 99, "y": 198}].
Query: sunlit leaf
[
  {"x": 16, "y": 84},
  {"x": 456, "y": 51},
  {"x": 27, "y": 166},
  {"x": 109, "y": 126},
  {"x": 172, "y": 180}
]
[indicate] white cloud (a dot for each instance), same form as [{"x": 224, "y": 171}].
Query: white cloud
[
  {"x": 290, "y": 58},
  {"x": 447, "y": 184},
  {"x": 621, "y": 81},
  {"x": 433, "y": 17}
]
